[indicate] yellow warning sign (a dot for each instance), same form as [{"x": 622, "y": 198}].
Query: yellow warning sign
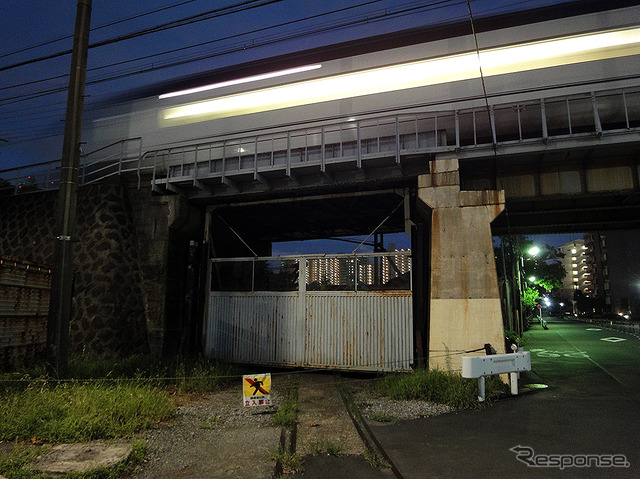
[{"x": 256, "y": 390}]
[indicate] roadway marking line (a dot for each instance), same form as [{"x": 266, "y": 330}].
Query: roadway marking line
[
  {"x": 593, "y": 329},
  {"x": 594, "y": 362},
  {"x": 613, "y": 339},
  {"x": 543, "y": 353}
]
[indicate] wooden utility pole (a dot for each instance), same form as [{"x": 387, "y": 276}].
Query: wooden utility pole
[{"x": 62, "y": 280}]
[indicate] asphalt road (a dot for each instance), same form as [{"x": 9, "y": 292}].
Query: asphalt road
[
  {"x": 590, "y": 407},
  {"x": 582, "y": 359}
]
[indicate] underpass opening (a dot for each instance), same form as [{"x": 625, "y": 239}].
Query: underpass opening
[{"x": 353, "y": 310}]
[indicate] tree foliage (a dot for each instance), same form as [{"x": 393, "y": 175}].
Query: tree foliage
[
  {"x": 514, "y": 259},
  {"x": 530, "y": 298},
  {"x": 545, "y": 267}
]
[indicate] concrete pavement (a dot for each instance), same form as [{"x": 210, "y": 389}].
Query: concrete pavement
[
  {"x": 586, "y": 410},
  {"x": 587, "y": 415}
]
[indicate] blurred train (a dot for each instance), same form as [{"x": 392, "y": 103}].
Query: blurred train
[{"x": 440, "y": 88}]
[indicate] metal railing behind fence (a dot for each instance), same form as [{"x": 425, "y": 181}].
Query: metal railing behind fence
[
  {"x": 117, "y": 158},
  {"x": 327, "y": 272}
]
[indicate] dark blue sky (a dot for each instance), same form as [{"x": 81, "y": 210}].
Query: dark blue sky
[
  {"x": 401, "y": 241},
  {"x": 33, "y": 96}
]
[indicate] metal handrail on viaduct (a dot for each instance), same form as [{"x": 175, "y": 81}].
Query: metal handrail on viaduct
[{"x": 599, "y": 117}]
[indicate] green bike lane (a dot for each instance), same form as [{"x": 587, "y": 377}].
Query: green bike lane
[{"x": 580, "y": 359}]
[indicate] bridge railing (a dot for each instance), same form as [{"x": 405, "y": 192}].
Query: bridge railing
[
  {"x": 371, "y": 142},
  {"x": 583, "y": 116},
  {"x": 114, "y": 159},
  {"x": 314, "y": 147},
  {"x": 38, "y": 176}
]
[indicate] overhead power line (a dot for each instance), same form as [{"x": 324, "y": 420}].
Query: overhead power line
[
  {"x": 366, "y": 18},
  {"x": 219, "y": 12},
  {"x": 110, "y": 24}
]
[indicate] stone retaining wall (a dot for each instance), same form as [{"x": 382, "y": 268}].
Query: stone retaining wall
[{"x": 109, "y": 317}]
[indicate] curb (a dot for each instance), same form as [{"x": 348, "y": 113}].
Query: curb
[
  {"x": 369, "y": 440},
  {"x": 288, "y": 442}
]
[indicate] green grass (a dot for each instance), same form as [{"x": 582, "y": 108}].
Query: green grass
[
  {"x": 97, "y": 399},
  {"x": 105, "y": 399},
  {"x": 72, "y": 412},
  {"x": 179, "y": 375},
  {"x": 445, "y": 387},
  {"x": 287, "y": 412},
  {"x": 325, "y": 446},
  {"x": 381, "y": 417},
  {"x": 290, "y": 461},
  {"x": 375, "y": 460}
]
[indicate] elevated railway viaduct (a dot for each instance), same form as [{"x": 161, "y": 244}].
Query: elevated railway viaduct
[{"x": 527, "y": 124}]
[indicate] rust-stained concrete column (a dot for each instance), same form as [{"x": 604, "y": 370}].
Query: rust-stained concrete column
[{"x": 465, "y": 303}]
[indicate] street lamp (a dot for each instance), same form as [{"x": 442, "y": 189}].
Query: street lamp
[{"x": 533, "y": 251}]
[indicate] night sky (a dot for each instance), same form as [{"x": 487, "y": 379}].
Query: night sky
[{"x": 152, "y": 42}]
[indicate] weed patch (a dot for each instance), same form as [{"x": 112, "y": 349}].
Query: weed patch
[
  {"x": 445, "y": 387},
  {"x": 325, "y": 447},
  {"x": 71, "y": 412},
  {"x": 287, "y": 413},
  {"x": 375, "y": 460},
  {"x": 290, "y": 461}
]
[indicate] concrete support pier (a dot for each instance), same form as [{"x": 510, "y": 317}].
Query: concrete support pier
[{"x": 464, "y": 298}]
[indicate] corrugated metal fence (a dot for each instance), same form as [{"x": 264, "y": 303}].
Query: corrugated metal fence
[
  {"x": 24, "y": 306},
  {"x": 341, "y": 311}
]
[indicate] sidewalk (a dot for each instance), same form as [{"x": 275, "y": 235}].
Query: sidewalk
[
  {"x": 571, "y": 417},
  {"x": 567, "y": 420}
]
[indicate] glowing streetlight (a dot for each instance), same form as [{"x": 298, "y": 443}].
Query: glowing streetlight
[
  {"x": 532, "y": 279},
  {"x": 533, "y": 251}
]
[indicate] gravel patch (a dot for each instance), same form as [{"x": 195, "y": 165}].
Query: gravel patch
[
  {"x": 387, "y": 410},
  {"x": 215, "y": 436},
  {"x": 383, "y": 409}
]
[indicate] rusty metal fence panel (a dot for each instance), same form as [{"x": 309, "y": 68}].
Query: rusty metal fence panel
[
  {"x": 252, "y": 327},
  {"x": 359, "y": 330},
  {"x": 24, "y": 306},
  {"x": 338, "y": 317}
]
